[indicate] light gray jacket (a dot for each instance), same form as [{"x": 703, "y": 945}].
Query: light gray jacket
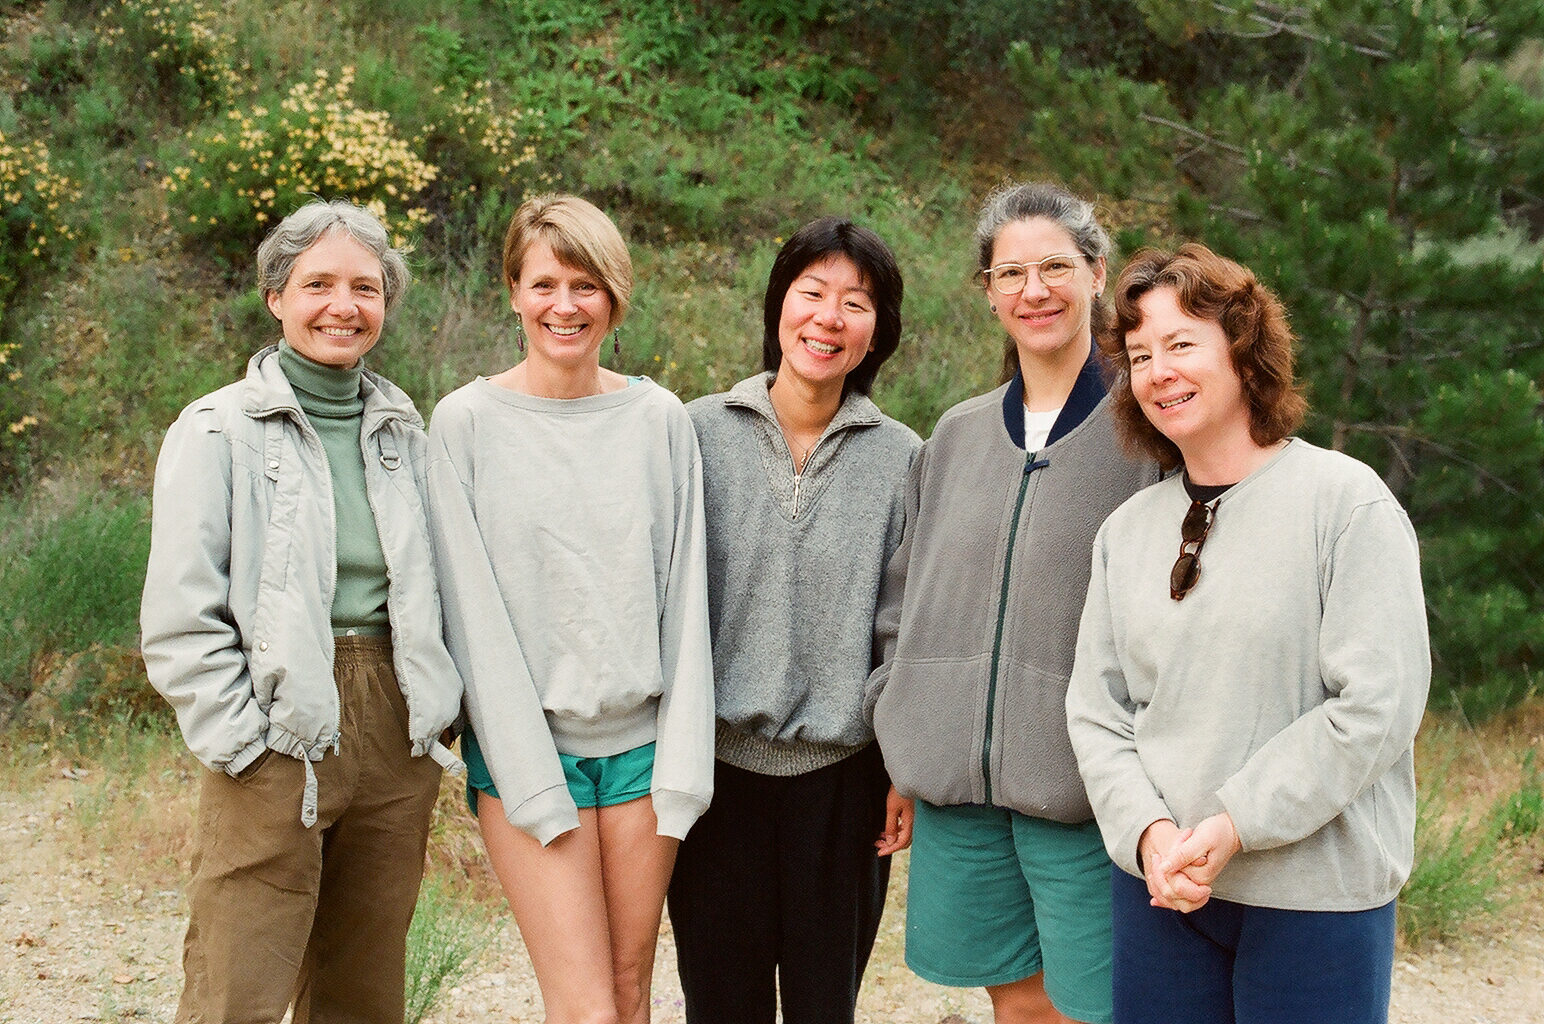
[{"x": 236, "y": 615}]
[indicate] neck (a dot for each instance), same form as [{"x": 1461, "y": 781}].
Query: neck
[
  {"x": 803, "y": 408},
  {"x": 1050, "y": 377},
  {"x": 1223, "y": 465},
  {"x": 540, "y": 379}
]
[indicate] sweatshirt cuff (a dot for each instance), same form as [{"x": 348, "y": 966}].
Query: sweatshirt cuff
[
  {"x": 546, "y": 815},
  {"x": 676, "y": 812}
]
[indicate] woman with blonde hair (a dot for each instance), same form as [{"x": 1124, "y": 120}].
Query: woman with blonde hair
[{"x": 568, "y": 528}]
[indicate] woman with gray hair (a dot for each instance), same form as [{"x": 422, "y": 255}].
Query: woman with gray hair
[
  {"x": 290, "y": 616},
  {"x": 1009, "y": 883}
]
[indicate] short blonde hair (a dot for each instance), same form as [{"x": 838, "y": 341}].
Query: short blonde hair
[{"x": 580, "y": 236}]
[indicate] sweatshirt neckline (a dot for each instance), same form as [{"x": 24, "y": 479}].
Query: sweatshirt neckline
[{"x": 564, "y": 406}]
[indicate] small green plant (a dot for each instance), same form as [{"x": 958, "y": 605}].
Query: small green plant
[
  {"x": 70, "y": 580},
  {"x": 1455, "y": 878},
  {"x": 446, "y": 933},
  {"x": 252, "y": 166},
  {"x": 1520, "y": 814}
]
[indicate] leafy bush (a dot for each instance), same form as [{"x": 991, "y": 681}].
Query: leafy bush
[
  {"x": 251, "y": 167},
  {"x": 178, "y": 53}
]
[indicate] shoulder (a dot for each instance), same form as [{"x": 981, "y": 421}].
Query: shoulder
[
  {"x": 1333, "y": 479},
  {"x": 970, "y": 415}
]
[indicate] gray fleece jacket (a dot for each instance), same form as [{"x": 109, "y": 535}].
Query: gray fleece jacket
[
  {"x": 978, "y": 618},
  {"x": 794, "y": 566}
]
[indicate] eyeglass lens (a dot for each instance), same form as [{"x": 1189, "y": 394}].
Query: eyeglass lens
[{"x": 1010, "y": 278}]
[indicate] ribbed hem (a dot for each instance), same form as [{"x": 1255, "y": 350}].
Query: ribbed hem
[{"x": 768, "y": 757}]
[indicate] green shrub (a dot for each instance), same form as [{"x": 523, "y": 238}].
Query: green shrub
[
  {"x": 250, "y": 167},
  {"x": 177, "y": 53},
  {"x": 446, "y": 933},
  {"x": 71, "y": 572}
]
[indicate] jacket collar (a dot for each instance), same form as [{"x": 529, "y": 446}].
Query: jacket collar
[
  {"x": 1087, "y": 392},
  {"x": 267, "y": 392},
  {"x": 855, "y": 411}
]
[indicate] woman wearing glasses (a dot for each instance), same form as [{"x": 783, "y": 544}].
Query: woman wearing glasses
[
  {"x": 978, "y": 621},
  {"x": 1244, "y": 713}
]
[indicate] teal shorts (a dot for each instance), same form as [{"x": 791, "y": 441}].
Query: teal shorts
[
  {"x": 592, "y": 781},
  {"x": 995, "y": 896}
]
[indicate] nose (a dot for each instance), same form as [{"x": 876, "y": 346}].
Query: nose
[
  {"x": 563, "y": 302},
  {"x": 829, "y": 316},
  {"x": 1033, "y": 286},
  {"x": 1158, "y": 367},
  {"x": 340, "y": 302}
]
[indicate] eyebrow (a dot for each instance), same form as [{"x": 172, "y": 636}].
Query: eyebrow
[{"x": 822, "y": 281}]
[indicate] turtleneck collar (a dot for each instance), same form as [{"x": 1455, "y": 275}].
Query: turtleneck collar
[{"x": 322, "y": 390}]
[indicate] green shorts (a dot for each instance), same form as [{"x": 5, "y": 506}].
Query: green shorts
[
  {"x": 995, "y": 896},
  {"x": 592, "y": 781}
]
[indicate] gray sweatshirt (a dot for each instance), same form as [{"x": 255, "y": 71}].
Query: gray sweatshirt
[
  {"x": 979, "y": 613},
  {"x": 1286, "y": 688},
  {"x": 568, "y": 535},
  {"x": 794, "y": 565}
]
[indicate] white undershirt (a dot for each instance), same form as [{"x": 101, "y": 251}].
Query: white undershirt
[{"x": 1037, "y": 427}]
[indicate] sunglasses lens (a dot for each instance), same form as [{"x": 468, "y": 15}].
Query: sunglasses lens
[
  {"x": 1196, "y": 522},
  {"x": 1184, "y": 575}
]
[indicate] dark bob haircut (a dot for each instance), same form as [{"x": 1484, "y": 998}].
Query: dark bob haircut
[
  {"x": 820, "y": 240},
  {"x": 1260, "y": 343}
]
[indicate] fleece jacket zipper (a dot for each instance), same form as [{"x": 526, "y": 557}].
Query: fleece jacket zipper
[{"x": 1030, "y": 465}]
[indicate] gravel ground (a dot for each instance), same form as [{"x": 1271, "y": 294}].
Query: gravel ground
[{"x": 87, "y": 940}]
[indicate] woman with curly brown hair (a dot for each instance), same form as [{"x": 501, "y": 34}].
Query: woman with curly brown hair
[{"x": 1245, "y": 731}]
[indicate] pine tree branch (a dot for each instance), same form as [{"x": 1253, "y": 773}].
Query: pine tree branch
[{"x": 1392, "y": 433}]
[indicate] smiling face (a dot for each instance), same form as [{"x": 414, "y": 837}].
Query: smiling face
[
  {"x": 564, "y": 310},
  {"x": 1046, "y": 324},
  {"x": 334, "y": 303},
  {"x": 1183, "y": 379},
  {"x": 827, "y": 322}
]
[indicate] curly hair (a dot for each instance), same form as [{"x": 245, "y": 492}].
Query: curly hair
[{"x": 1260, "y": 342}]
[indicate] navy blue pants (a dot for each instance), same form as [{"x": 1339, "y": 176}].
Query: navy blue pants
[
  {"x": 777, "y": 890},
  {"x": 1228, "y": 963}
]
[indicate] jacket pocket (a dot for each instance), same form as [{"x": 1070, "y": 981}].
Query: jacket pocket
[{"x": 930, "y": 721}]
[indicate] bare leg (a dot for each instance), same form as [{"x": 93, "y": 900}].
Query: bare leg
[
  {"x": 557, "y": 896},
  {"x": 635, "y": 866},
  {"x": 1024, "y": 1002}
]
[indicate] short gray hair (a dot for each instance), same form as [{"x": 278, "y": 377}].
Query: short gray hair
[
  {"x": 1024, "y": 201},
  {"x": 304, "y": 228}
]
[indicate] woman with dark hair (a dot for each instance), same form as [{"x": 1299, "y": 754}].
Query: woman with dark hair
[
  {"x": 1009, "y": 883},
  {"x": 782, "y": 883},
  {"x": 291, "y": 617},
  {"x": 567, "y": 523},
  {"x": 1246, "y": 731}
]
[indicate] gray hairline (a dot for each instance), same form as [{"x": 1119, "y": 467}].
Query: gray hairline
[
  {"x": 302, "y": 229},
  {"x": 1027, "y": 200}
]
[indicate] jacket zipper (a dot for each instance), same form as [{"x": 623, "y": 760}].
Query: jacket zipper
[
  {"x": 798, "y": 474},
  {"x": 997, "y": 639}
]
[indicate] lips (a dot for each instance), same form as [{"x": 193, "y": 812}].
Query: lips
[
  {"x": 566, "y": 330},
  {"x": 339, "y": 332},
  {"x": 1170, "y": 403},
  {"x": 821, "y": 348}
]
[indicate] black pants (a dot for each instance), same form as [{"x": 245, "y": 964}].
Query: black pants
[{"x": 777, "y": 885}]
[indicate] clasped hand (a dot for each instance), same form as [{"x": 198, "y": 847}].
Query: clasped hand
[{"x": 1181, "y": 864}]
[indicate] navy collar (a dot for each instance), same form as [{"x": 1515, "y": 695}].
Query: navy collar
[{"x": 1087, "y": 391}]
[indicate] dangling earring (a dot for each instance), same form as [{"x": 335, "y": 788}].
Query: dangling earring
[
  {"x": 616, "y": 341},
  {"x": 519, "y": 334}
]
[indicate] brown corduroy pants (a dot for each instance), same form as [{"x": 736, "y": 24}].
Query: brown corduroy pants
[{"x": 317, "y": 917}]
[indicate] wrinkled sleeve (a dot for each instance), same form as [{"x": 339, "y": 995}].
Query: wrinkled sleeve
[
  {"x": 502, "y": 702},
  {"x": 192, "y": 647},
  {"x": 892, "y": 591},
  {"x": 683, "y": 752},
  {"x": 1101, "y": 720},
  {"x": 1375, "y": 667}
]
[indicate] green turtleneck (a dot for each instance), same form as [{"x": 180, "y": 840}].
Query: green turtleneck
[{"x": 331, "y": 400}]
